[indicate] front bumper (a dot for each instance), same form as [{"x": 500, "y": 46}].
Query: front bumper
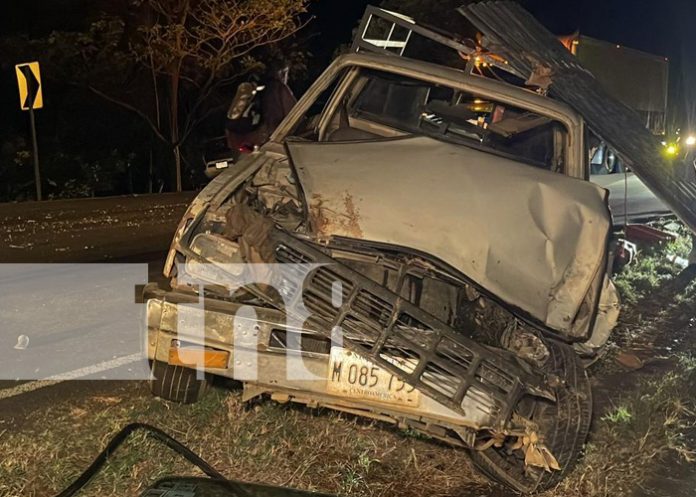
[{"x": 259, "y": 352}]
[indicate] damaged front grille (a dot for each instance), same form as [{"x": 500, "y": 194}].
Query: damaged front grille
[
  {"x": 306, "y": 343},
  {"x": 399, "y": 336}
]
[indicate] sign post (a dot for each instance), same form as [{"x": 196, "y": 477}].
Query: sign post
[{"x": 31, "y": 98}]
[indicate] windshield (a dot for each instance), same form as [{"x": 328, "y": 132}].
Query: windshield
[
  {"x": 378, "y": 105},
  {"x": 420, "y": 107}
]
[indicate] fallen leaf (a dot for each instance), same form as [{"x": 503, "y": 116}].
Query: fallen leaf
[{"x": 629, "y": 361}]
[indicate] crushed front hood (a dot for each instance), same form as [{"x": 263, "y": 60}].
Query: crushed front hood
[{"x": 534, "y": 239}]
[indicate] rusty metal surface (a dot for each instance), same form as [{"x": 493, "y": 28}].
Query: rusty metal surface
[
  {"x": 531, "y": 49},
  {"x": 542, "y": 251}
]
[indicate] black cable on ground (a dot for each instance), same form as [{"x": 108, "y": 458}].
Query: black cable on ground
[{"x": 156, "y": 434}]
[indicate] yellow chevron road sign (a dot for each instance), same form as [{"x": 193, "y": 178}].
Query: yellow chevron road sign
[{"x": 29, "y": 82}]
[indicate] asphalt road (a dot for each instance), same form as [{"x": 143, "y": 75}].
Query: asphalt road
[
  {"x": 71, "y": 319},
  {"x": 90, "y": 230}
]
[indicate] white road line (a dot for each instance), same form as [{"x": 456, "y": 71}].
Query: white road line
[
  {"x": 70, "y": 375},
  {"x": 25, "y": 388}
]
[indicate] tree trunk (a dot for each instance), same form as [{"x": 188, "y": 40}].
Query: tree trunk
[
  {"x": 177, "y": 162},
  {"x": 151, "y": 171},
  {"x": 174, "y": 125}
]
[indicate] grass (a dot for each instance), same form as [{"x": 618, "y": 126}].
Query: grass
[
  {"x": 650, "y": 271},
  {"x": 620, "y": 415},
  {"x": 654, "y": 421},
  {"x": 629, "y": 442},
  {"x": 647, "y": 296},
  {"x": 264, "y": 443},
  {"x": 276, "y": 444}
]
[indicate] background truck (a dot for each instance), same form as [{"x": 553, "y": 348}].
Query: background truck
[
  {"x": 618, "y": 69},
  {"x": 638, "y": 79}
]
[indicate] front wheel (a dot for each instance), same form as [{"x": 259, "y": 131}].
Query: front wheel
[
  {"x": 176, "y": 383},
  {"x": 563, "y": 425}
]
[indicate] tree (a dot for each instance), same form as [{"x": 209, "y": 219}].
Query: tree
[
  {"x": 165, "y": 60},
  {"x": 197, "y": 45},
  {"x": 76, "y": 127}
]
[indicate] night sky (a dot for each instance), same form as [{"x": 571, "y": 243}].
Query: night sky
[
  {"x": 666, "y": 27},
  {"x": 659, "y": 27}
]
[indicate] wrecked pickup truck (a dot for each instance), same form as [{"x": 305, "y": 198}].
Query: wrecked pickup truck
[{"x": 416, "y": 244}]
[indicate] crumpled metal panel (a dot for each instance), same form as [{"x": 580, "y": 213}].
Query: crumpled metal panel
[
  {"x": 534, "y": 239},
  {"x": 530, "y": 49}
]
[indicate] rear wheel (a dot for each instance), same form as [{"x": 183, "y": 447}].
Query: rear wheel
[
  {"x": 563, "y": 425},
  {"x": 176, "y": 383}
]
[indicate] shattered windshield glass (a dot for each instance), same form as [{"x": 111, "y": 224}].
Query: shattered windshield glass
[{"x": 420, "y": 107}]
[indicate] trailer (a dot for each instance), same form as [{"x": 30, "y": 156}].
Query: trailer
[{"x": 638, "y": 79}]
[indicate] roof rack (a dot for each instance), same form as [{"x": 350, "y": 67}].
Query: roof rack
[{"x": 385, "y": 32}]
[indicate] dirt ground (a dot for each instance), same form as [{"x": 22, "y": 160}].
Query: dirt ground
[
  {"x": 89, "y": 230},
  {"x": 642, "y": 442}
]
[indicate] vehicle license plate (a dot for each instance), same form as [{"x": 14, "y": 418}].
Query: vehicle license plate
[{"x": 350, "y": 375}]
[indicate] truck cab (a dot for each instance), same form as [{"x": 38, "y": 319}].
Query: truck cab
[{"x": 367, "y": 96}]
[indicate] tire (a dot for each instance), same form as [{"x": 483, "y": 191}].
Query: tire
[
  {"x": 564, "y": 426},
  {"x": 176, "y": 383}
]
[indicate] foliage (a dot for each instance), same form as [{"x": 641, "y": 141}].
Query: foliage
[
  {"x": 196, "y": 46},
  {"x": 653, "y": 423},
  {"x": 66, "y": 175},
  {"x": 76, "y": 128},
  {"x": 164, "y": 61},
  {"x": 652, "y": 268},
  {"x": 619, "y": 415},
  {"x": 204, "y": 38},
  {"x": 644, "y": 276},
  {"x": 98, "y": 55}
]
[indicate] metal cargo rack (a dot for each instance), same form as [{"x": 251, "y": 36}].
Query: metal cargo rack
[{"x": 389, "y": 33}]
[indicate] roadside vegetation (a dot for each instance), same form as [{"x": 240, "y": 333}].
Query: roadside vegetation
[
  {"x": 265, "y": 442},
  {"x": 135, "y": 89},
  {"x": 646, "y": 432},
  {"x": 654, "y": 266},
  {"x": 644, "y": 422}
]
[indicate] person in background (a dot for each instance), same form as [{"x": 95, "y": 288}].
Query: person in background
[{"x": 257, "y": 109}]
